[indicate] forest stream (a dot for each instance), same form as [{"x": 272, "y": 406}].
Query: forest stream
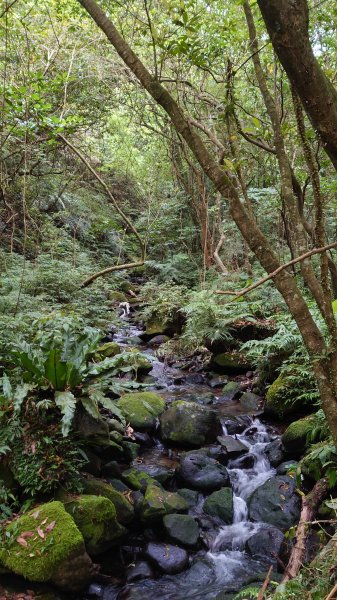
[{"x": 234, "y": 527}]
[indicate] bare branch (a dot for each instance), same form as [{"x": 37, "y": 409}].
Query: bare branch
[{"x": 277, "y": 271}]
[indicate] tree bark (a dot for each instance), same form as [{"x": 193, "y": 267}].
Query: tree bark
[{"x": 287, "y": 24}]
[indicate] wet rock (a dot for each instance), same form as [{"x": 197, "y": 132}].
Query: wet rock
[
  {"x": 251, "y": 402},
  {"x": 288, "y": 465},
  {"x": 141, "y": 570},
  {"x": 157, "y": 472},
  {"x": 118, "y": 485},
  {"x": 131, "y": 450},
  {"x": 192, "y": 497},
  {"x": 137, "y": 479},
  {"x": 220, "y": 504},
  {"x": 230, "y": 391},
  {"x": 232, "y": 362},
  {"x": 232, "y": 447},
  {"x": 247, "y": 461},
  {"x": 275, "y": 452},
  {"x": 265, "y": 543},
  {"x": 143, "y": 438},
  {"x": 276, "y": 502},
  {"x": 141, "y": 409},
  {"x": 195, "y": 379},
  {"x": 182, "y": 529},
  {"x": 106, "y": 350},
  {"x": 96, "y": 518},
  {"x": 218, "y": 381},
  {"x": 97, "y": 487},
  {"x": 200, "y": 472},
  {"x": 169, "y": 559},
  {"x": 158, "y": 502},
  {"x": 237, "y": 424},
  {"x": 189, "y": 424},
  {"x": 157, "y": 340},
  {"x": 110, "y": 469}
]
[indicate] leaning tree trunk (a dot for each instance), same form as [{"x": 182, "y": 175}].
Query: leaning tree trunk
[
  {"x": 287, "y": 24},
  {"x": 241, "y": 215}
]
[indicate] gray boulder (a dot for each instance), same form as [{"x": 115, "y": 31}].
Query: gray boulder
[
  {"x": 169, "y": 559},
  {"x": 200, "y": 472},
  {"x": 276, "y": 502},
  {"x": 189, "y": 424}
]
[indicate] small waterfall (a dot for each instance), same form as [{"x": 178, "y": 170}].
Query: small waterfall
[{"x": 229, "y": 545}]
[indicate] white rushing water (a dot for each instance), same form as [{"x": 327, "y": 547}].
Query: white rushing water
[{"x": 228, "y": 547}]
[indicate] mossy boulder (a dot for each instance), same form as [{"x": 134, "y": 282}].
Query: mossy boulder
[
  {"x": 138, "y": 480},
  {"x": 98, "y": 487},
  {"x": 117, "y": 296},
  {"x": 295, "y": 437},
  {"x": 233, "y": 362},
  {"x": 141, "y": 409},
  {"x": 157, "y": 503},
  {"x": 189, "y": 424},
  {"x": 220, "y": 504},
  {"x": 46, "y": 545},
  {"x": 280, "y": 401},
  {"x": 96, "y": 518},
  {"x": 107, "y": 350}
]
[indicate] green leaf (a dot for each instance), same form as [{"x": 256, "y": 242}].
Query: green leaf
[
  {"x": 90, "y": 405},
  {"x": 66, "y": 402},
  {"x": 334, "y": 306},
  {"x": 55, "y": 370},
  {"x": 21, "y": 393},
  {"x": 7, "y": 388}
]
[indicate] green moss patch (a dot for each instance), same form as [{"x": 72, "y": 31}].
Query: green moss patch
[
  {"x": 141, "y": 409},
  {"x": 40, "y": 541},
  {"x": 97, "y": 487}
]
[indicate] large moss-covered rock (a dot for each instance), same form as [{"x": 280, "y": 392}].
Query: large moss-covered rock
[
  {"x": 106, "y": 350},
  {"x": 141, "y": 409},
  {"x": 123, "y": 506},
  {"x": 220, "y": 504},
  {"x": 295, "y": 436},
  {"x": 157, "y": 503},
  {"x": 276, "y": 502},
  {"x": 189, "y": 424},
  {"x": 230, "y": 362},
  {"x": 96, "y": 518},
  {"x": 279, "y": 401},
  {"x": 46, "y": 545}
]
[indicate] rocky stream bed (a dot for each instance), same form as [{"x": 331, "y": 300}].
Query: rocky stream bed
[{"x": 207, "y": 493}]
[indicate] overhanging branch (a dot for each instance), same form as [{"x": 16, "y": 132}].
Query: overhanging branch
[{"x": 277, "y": 271}]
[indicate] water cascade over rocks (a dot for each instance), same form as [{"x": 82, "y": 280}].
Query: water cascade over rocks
[{"x": 216, "y": 455}]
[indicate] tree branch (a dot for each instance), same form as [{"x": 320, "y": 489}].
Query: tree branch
[
  {"x": 118, "y": 209},
  {"x": 278, "y": 270}
]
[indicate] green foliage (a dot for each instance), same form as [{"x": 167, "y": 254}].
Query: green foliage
[{"x": 162, "y": 302}]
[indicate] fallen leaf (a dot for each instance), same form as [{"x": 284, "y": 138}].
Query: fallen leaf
[
  {"x": 51, "y": 526},
  {"x": 41, "y": 533},
  {"x": 22, "y": 541},
  {"x": 26, "y": 534},
  {"x": 36, "y": 514},
  {"x": 44, "y": 521}
]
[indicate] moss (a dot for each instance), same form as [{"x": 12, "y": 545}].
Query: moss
[
  {"x": 155, "y": 326},
  {"x": 220, "y": 504},
  {"x": 138, "y": 480},
  {"x": 295, "y": 436},
  {"x": 97, "y": 487},
  {"x": 278, "y": 401},
  {"x": 117, "y": 296},
  {"x": 40, "y": 557},
  {"x": 107, "y": 350},
  {"x": 189, "y": 424},
  {"x": 158, "y": 503},
  {"x": 141, "y": 409},
  {"x": 231, "y": 361},
  {"x": 96, "y": 518}
]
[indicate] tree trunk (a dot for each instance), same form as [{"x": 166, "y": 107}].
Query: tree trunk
[{"x": 287, "y": 24}]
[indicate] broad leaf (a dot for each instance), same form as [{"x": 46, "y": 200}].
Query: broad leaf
[
  {"x": 66, "y": 402},
  {"x": 91, "y": 407}
]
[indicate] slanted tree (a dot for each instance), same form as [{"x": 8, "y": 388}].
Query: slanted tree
[{"x": 322, "y": 351}]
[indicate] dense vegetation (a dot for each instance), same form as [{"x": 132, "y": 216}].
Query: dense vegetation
[{"x": 175, "y": 193}]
